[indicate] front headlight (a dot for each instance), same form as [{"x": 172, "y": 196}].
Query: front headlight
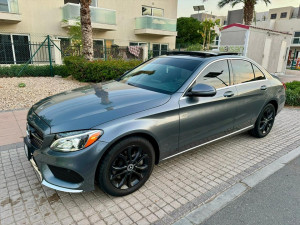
[{"x": 74, "y": 141}]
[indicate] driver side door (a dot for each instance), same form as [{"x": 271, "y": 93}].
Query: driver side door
[{"x": 203, "y": 119}]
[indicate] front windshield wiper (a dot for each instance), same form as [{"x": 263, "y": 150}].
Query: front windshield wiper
[{"x": 131, "y": 84}]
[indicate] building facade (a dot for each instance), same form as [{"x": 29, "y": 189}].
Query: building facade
[
  {"x": 114, "y": 22},
  {"x": 285, "y": 19}
]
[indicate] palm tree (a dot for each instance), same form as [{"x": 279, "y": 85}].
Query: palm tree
[
  {"x": 86, "y": 29},
  {"x": 248, "y": 7}
]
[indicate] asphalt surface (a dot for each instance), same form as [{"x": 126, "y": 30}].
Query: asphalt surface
[{"x": 274, "y": 201}]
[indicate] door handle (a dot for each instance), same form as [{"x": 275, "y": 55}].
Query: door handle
[
  {"x": 228, "y": 94},
  {"x": 263, "y": 87}
]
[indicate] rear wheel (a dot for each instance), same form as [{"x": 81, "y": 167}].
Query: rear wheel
[
  {"x": 264, "y": 122},
  {"x": 126, "y": 167}
]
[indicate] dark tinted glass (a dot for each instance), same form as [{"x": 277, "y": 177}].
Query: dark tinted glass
[
  {"x": 216, "y": 75},
  {"x": 273, "y": 16},
  {"x": 22, "y": 51},
  {"x": 258, "y": 74},
  {"x": 165, "y": 75},
  {"x": 243, "y": 71}
]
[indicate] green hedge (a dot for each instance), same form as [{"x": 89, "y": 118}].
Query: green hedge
[
  {"x": 293, "y": 93},
  {"x": 32, "y": 71},
  {"x": 97, "y": 71}
]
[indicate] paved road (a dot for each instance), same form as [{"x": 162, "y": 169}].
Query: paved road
[{"x": 275, "y": 201}]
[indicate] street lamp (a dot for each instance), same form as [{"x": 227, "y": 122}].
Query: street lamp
[{"x": 199, "y": 8}]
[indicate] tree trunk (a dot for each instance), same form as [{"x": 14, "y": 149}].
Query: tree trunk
[
  {"x": 86, "y": 29},
  {"x": 248, "y": 11}
]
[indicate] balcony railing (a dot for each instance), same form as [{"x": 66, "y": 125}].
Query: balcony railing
[
  {"x": 9, "y": 6},
  {"x": 98, "y": 15},
  {"x": 296, "y": 40},
  {"x": 155, "y": 23}
]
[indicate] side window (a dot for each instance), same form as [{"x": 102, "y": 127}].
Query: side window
[
  {"x": 258, "y": 74},
  {"x": 242, "y": 71},
  {"x": 216, "y": 75}
]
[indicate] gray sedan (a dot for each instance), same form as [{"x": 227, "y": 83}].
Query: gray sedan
[{"x": 113, "y": 133}]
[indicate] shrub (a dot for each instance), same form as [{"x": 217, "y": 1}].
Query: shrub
[
  {"x": 195, "y": 47},
  {"x": 99, "y": 70},
  {"x": 293, "y": 93},
  {"x": 32, "y": 71}
]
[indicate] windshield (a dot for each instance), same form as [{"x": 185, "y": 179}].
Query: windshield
[{"x": 165, "y": 75}]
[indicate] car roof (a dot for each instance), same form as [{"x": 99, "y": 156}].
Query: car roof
[{"x": 200, "y": 55}]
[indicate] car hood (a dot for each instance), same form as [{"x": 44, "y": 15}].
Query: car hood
[{"x": 89, "y": 106}]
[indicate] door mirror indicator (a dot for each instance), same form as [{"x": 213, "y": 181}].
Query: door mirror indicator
[{"x": 202, "y": 90}]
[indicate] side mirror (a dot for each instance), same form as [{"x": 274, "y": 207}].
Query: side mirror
[{"x": 202, "y": 90}]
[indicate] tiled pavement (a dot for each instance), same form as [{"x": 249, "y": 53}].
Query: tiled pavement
[
  {"x": 12, "y": 126},
  {"x": 176, "y": 186}
]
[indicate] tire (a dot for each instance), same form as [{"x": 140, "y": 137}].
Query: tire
[
  {"x": 264, "y": 122},
  {"x": 119, "y": 174}
]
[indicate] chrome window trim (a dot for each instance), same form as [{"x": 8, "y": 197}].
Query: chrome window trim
[
  {"x": 227, "y": 135},
  {"x": 233, "y": 85}
]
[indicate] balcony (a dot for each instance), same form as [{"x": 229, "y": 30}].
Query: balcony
[
  {"x": 155, "y": 26},
  {"x": 102, "y": 19},
  {"x": 295, "y": 41},
  {"x": 9, "y": 11}
]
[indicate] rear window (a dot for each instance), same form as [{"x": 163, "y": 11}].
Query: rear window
[
  {"x": 258, "y": 74},
  {"x": 242, "y": 71},
  {"x": 165, "y": 75}
]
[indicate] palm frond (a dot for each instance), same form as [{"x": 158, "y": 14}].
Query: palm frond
[
  {"x": 222, "y": 3},
  {"x": 267, "y": 2},
  {"x": 236, "y": 2}
]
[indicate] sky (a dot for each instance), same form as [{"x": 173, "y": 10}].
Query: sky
[{"x": 185, "y": 7}]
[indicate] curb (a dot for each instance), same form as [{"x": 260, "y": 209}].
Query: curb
[{"x": 206, "y": 210}]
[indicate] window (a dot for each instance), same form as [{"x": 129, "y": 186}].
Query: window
[
  {"x": 150, "y": 11},
  {"x": 157, "y": 12},
  {"x": 216, "y": 75},
  {"x": 98, "y": 46},
  {"x": 242, "y": 70},
  {"x": 14, "y": 49},
  {"x": 65, "y": 44},
  {"x": 296, "y": 39},
  {"x": 283, "y": 15},
  {"x": 4, "y": 6},
  {"x": 137, "y": 43},
  {"x": 94, "y": 2},
  {"x": 159, "y": 49},
  {"x": 257, "y": 73},
  {"x": 273, "y": 16},
  {"x": 165, "y": 75}
]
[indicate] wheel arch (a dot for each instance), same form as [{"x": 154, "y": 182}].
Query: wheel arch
[
  {"x": 274, "y": 103},
  {"x": 145, "y": 135}
]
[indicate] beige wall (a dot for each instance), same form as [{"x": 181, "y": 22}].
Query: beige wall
[
  {"x": 42, "y": 17},
  {"x": 257, "y": 40},
  {"x": 289, "y": 10}
]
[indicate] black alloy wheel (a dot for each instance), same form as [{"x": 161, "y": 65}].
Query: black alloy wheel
[
  {"x": 264, "y": 122},
  {"x": 127, "y": 166}
]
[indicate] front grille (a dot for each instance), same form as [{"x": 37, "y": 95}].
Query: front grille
[
  {"x": 65, "y": 174},
  {"x": 36, "y": 137}
]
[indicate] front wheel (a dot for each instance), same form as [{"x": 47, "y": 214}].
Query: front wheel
[
  {"x": 126, "y": 167},
  {"x": 264, "y": 122}
]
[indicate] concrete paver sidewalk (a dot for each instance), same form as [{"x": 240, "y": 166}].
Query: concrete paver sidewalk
[
  {"x": 175, "y": 187},
  {"x": 12, "y": 126}
]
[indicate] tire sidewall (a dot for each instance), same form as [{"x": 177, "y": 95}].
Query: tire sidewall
[
  {"x": 104, "y": 172},
  {"x": 259, "y": 119}
]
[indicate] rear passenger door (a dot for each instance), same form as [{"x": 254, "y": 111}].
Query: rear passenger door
[{"x": 251, "y": 87}]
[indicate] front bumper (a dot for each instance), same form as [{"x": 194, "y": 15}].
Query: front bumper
[{"x": 83, "y": 162}]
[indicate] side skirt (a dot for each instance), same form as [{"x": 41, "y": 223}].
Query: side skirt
[{"x": 227, "y": 135}]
